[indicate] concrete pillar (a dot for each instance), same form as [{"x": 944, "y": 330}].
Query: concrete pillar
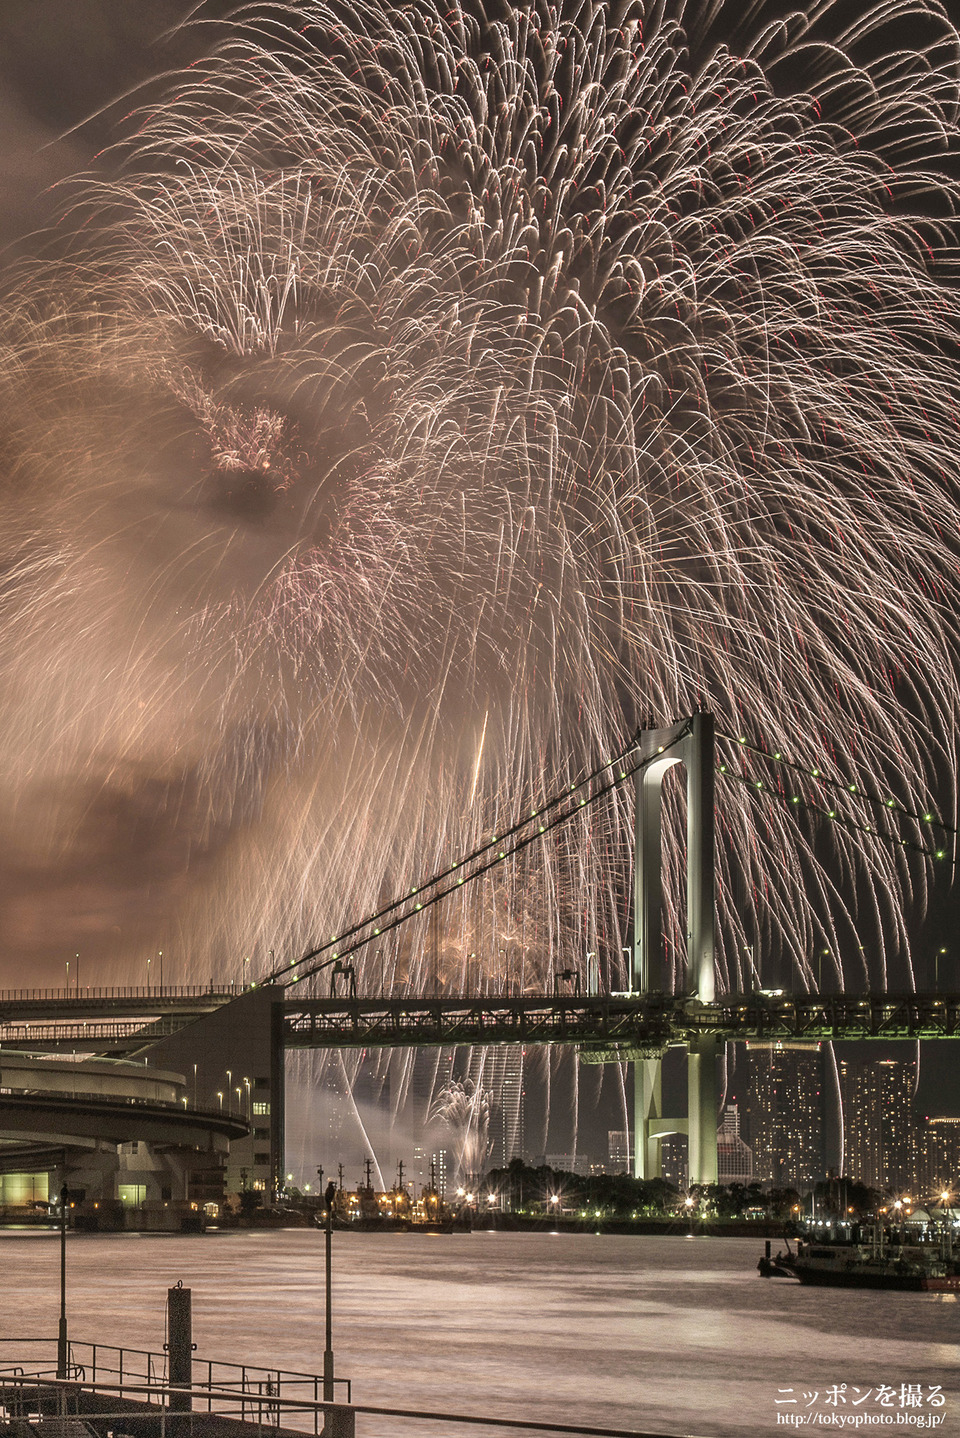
[
  {"x": 701, "y": 898},
  {"x": 339, "y": 1421},
  {"x": 702, "y": 1058},
  {"x": 691, "y": 743},
  {"x": 180, "y": 1347},
  {"x": 647, "y": 1109}
]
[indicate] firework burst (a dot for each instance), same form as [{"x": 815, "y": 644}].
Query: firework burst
[{"x": 416, "y": 400}]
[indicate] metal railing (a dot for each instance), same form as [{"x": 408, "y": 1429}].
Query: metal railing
[
  {"x": 70, "y": 1403},
  {"x": 143, "y": 991},
  {"x": 250, "y": 1392}
]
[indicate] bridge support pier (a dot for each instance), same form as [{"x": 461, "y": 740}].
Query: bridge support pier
[
  {"x": 690, "y": 743},
  {"x": 647, "y": 1110},
  {"x": 702, "y": 1096}
]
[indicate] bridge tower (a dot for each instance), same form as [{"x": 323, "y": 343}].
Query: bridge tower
[{"x": 689, "y": 742}]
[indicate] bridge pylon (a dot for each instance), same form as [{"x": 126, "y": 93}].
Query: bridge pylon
[{"x": 689, "y": 742}]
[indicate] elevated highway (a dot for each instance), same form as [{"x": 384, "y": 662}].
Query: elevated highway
[{"x": 115, "y": 1021}]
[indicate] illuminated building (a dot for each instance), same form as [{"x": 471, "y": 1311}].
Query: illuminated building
[
  {"x": 734, "y": 1157},
  {"x": 674, "y": 1165},
  {"x": 881, "y": 1138},
  {"x": 785, "y": 1113},
  {"x": 619, "y": 1152},
  {"x": 938, "y": 1169},
  {"x": 499, "y": 1070}
]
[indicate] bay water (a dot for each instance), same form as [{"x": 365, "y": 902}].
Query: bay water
[{"x": 665, "y": 1335}]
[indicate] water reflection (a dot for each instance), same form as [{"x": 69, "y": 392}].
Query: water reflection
[{"x": 668, "y": 1335}]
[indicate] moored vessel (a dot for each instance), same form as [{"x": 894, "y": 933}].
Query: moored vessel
[{"x": 878, "y": 1262}]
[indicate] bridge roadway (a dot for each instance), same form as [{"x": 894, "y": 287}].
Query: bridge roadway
[
  {"x": 604, "y": 1028},
  {"x": 616, "y": 1026},
  {"x": 108, "y": 1020}
]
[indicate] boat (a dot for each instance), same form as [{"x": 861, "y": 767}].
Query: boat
[
  {"x": 879, "y": 1262},
  {"x": 366, "y": 1210}
]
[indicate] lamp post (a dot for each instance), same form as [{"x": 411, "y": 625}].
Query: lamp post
[
  {"x": 62, "y": 1346},
  {"x": 941, "y": 953},
  {"x": 328, "y": 1198}
]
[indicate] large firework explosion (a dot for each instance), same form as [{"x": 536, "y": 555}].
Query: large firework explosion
[{"x": 412, "y": 402}]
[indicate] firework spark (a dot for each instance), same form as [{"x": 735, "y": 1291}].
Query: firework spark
[{"x": 413, "y": 402}]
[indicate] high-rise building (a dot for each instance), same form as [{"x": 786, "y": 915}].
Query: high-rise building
[
  {"x": 785, "y": 1113},
  {"x": 674, "y": 1161},
  {"x": 881, "y": 1137},
  {"x": 734, "y": 1157},
  {"x": 440, "y": 1169},
  {"x": 619, "y": 1154},
  {"x": 430, "y": 1074},
  {"x": 938, "y": 1167},
  {"x": 499, "y": 1071}
]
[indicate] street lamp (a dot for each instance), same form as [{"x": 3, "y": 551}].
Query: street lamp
[
  {"x": 940, "y": 954},
  {"x": 62, "y": 1346},
  {"x": 328, "y": 1198}
]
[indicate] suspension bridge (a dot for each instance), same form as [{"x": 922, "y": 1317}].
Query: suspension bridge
[{"x": 636, "y": 1026}]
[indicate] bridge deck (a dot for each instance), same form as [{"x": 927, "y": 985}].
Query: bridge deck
[{"x": 616, "y": 1026}]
